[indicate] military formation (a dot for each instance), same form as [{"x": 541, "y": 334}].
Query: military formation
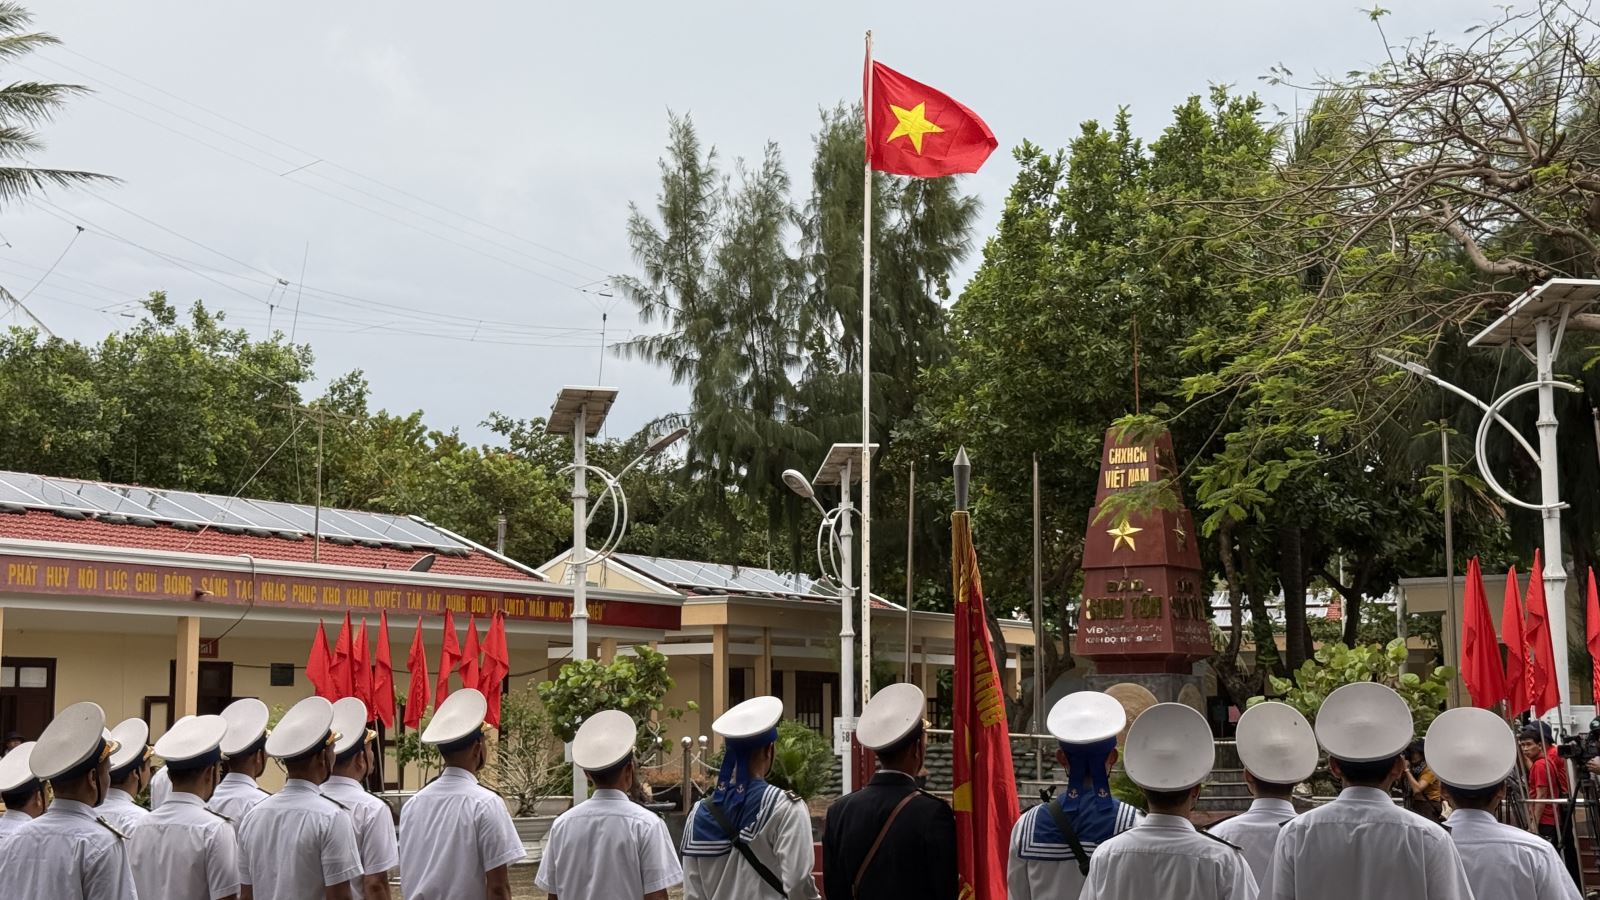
[{"x": 214, "y": 833}]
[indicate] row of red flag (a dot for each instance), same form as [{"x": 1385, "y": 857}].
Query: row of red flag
[
  {"x": 1527, "y": 678},
  {"x": 350, "y": 670}
]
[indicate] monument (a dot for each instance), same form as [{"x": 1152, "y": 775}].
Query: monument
[{"x": 1145, "y": 614}]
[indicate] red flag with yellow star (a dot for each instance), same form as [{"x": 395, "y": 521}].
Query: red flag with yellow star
[{"x": 915, "y": 130}]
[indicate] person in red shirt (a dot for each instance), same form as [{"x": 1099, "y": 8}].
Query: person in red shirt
[{"x": 1547, "y": 780}]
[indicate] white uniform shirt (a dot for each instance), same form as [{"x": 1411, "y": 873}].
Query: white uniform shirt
[
  {"x": 236, "y": 795},
  {"x": 374, "y": 823},
  {"x": 1049, "y": 879},
  {"x": 1166, "y": 857},
  {"x": 592, "y": 850},
  {"x": 1362, "y": 845},
  {"x": 452, "y": 833},
  {"x": 160, "y": 788},
  {"x": 295, "y": 843},
  {"x": 782, "y": 841},
  {"x": 119, "y": 809},
  {"x": 10, "y": 821},
  {"x": 1502, "y": 861},
  {"x": 1256, "y": 832},
  {"x": 184, "y": 851},
  {"x": 69, "y": 853}
]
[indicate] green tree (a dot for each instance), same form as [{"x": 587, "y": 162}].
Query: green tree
[{"x": 636, "y": 684}]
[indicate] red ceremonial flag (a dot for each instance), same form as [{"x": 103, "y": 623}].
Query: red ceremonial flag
[
  {"x": 1592, "y": 631},
  {"x": 496, "y": 665},
  {"x": 383, "y": 676},
  {"x": 344, "y": 677},
  {"x": 319, "y": 667},
  {"x": 449, "y": 655},
  {"x": 1516, "y": 646},
  {"x": 915, "y": 130},
  {"x": 417, "y": 690},
  {"x": 470, "y": 654},
  {"x": 1481, "y": 667},
  {"x": 1542, "y": 688},
  {"x": 985, "y": 795},
  {"x": 361, "y": 669}
]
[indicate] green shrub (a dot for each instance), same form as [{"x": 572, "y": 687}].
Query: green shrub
[
  {"x": 634, "y": 684},
  {"x": 803, "y": 762},
  {"x": 1335, "y": 665}
]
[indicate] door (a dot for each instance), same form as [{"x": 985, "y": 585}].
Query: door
[
  {"x": 215, "y": 687},
  {"x": 27, "y": 695}
]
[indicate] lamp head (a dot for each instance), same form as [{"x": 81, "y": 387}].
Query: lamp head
[
  {"x": 799, "y": 484},
  {"x": 666, "y": 440}
]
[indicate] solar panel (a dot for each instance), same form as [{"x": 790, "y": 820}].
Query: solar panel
[{"x": 716, "y": 576}]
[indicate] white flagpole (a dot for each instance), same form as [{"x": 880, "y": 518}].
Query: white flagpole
[{"x": 866, "y": 403}]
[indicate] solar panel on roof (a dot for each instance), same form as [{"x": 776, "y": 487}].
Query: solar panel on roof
[{"x": 718, "y": 577}]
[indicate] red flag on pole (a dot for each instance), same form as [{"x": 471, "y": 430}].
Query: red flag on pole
[
  {"x": 915, "y": 130},
  {"x": 1516, "y": 642},
  {"x": 985, "y": 795},
  {"x": 361, "y": 669},
  {"x": 319, "y": 667},
  {"x": 417, "y": 690},
  {"x": 449, "y": 656},
  {"x": 470, "y": 654},
  {"x": 1542, "y": 689},
  {"x": 1481, "y": 667},
  {"x": 496, "y": 665},
  {"x": 383, "y": 676},
  {"x": 1592, "y": 631},
  {"x": 344, "y": 678}
]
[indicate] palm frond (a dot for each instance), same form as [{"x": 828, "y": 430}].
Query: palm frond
[
  {"x": 17, "y": 182},
  {"x": 34, "y": 102},
  {"x": 15, "y": 46}
]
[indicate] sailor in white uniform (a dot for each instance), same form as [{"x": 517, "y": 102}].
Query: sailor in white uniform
[
  {"x": 1279, "y": 750},
  {"x": 130, "y": 772},
  {"x": 457, "y": 840},
  {"x": 376, "y": 839},
  {"x": 184, "y": 851},
  {"x": 1170, "y": 754},
  {"x": 1473, "y": 752},
  {"x": 608, "y": 847},
  {"x": 1362, "y": 844},
  {"x": 748, "y": 840},
  {"x": 1045, "y": 863},
  {"x": 299, "y": 843},
  {"x": 21, "y": 793},
  {"x": 244, "y": 753},
  {"x": 71, "y": 852},
  {"x": 160, "y": 788}
]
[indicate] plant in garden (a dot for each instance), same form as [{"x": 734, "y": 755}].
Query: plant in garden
[
  {"x": 634, "y": 684},
  {"x": 803, "y": 760},
  {"x": 1335, "y": 665},
  {"x": 410, "y": 750},
  {"x": 527, "y": 762}
]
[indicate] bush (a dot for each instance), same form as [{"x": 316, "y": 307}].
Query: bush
[
  {"x": 634, "y": 684},
  {"x": 1335, "y": 665},
  {"x": 803, "y": 762},
  {"x": 528, "y": 760}
]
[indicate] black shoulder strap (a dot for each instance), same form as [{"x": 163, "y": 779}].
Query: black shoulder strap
[
  {"x": 743, "y": 848},
  {"x": 1208, "y": 834},
  {"x": 333, "y": 801},
  {"x": 1064, "y": 825},
  {"x": 101, "y": 821}
]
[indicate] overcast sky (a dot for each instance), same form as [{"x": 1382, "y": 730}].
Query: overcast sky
[{"x": 440, "y": 167}]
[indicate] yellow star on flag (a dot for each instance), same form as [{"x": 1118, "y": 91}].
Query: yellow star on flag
[
  {"x": 1123, "y": 532},
  {"x": 913, "y": 124}
]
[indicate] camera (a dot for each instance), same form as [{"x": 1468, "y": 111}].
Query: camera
[{"x": 1580, "y": 748}]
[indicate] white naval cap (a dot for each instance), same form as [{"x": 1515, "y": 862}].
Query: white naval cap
[
  {"x": 73, "y": 743},
  {"x": 1470, "y": 748},
  {"x": 458, "y": 720},
  {"x": 1364, "y": 722},
  {"x": 892, "y": 715},
  {"x": 350, "y": 721},
  {"x": 133, "y": 736},
  {"x": 603, "y": 740},
  {"x": 305, "y": 728},
  {"x": 247, "y": 726},
  {"x": 1170, "y": 748},
  {"x": 1086, "y": 717},
  {"x": 1276, "y": 744},
  {"x": 14, "y": 771},
  {"x": 193, "y": 742},
  {"x": 749, "y": 719}
]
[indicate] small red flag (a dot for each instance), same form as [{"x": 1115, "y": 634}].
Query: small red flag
[
  {"x": 1592, "y": 631},
  {"x": 417, "y": 690},
  {"x": 449, "y": 656},
  {"x": 915, "y": 130},
  {"x": 319, "y": 667},
  {"x": 1516, "y": 642},
  {"x": 344, "y": 676},
  {"x": 361, "y": 669},
  {"x": 383, "y": 676},
  {"x": 1542, "y": 687},
  {"x": 471, "y": 653},
  {"x": 1481, "y": 667},
  {"x": 496, "y": 665}
]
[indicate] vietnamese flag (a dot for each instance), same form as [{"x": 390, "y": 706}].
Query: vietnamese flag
[
  {"x": 496, "y": 665},
  {"x": 417, "y": 690},
  {"x": 361, "y": 658},
  {"x": 1481, "y": 667},
  {"x": 382, "y": 705},
  {"x": 1592, "y": 631},
  {"x": 470, "y": 654},
  {"x": 985, "y": 795},
  {"x": 915, "y": 130},
  {"x": 1543, "y": 690},
  {"x": 319, "y": 667},
  {"x": 344, "y": 678},
  {"x": 449, "y": 655}
]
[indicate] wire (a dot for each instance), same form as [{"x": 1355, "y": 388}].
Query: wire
[{"x": 63, "y": 255}]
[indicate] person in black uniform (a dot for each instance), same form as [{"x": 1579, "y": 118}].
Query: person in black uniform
[{"x": 891, "y": 839}]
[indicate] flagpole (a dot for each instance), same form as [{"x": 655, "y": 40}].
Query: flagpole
[{"x": 866, "y": 393}]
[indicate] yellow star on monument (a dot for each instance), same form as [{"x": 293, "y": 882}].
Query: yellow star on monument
[
  {"x": 1121, "y": 533},
  {"x": 913, "y": 124}
]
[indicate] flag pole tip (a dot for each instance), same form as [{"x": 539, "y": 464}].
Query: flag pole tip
[{"x": 963, "y": 478}]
